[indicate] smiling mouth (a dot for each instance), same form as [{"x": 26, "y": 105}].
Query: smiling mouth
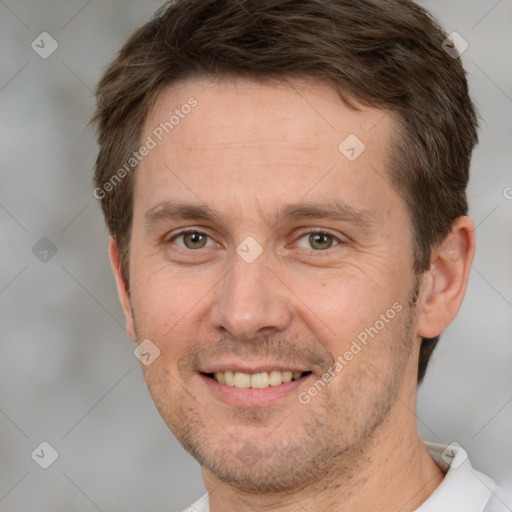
[{"x": 255, "y": 380}]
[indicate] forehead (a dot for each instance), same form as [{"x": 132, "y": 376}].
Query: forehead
[
  {"x": 289, "y": 111},
  {"x": 262, "y": 143}
]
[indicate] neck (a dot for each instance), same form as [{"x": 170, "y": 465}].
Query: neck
[{"x": 394, "y": 471}]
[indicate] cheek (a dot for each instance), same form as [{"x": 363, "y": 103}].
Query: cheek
[
  {"x": 345, "y": 302},
  {"x": 164, "y": 299},
  {"x": 371, "y": 360},
  {"x": 361, "y": 321},
  {"x": 167, "y": 394}
]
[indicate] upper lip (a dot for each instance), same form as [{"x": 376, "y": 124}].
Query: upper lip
[{"x": 251, "y": 368}]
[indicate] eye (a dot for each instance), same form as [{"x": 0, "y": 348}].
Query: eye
[
  {"x": 192, "y": 240},
  {"x": 317, "y": 240}
]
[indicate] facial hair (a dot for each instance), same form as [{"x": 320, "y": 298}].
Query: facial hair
[{"x": 331, "y": 438}]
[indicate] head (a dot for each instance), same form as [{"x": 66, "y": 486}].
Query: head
[{"x": 284, "y": 185}]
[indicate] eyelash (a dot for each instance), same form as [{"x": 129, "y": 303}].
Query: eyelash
[
  {"x": 321, "y": 232},
  {"x": 187, "y": 232},
  {"x": 302, "y": 235}
]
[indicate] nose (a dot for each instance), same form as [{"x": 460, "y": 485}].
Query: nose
[{"x": 251, "y": 301}]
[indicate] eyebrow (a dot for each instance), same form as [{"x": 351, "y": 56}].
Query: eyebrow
[
  {"x": 333, "y": 210},
  {"x": 167, "y": 211}
]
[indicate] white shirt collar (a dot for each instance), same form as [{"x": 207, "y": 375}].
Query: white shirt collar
[{"x": 463, "y": 489}]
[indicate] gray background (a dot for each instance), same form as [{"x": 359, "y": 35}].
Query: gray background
[{"x": 68, "y": 375}]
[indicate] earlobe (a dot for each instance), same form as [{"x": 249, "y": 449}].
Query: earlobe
[
  {"x": 444, "y": 287},
  {"x": 124, "y": 296}
]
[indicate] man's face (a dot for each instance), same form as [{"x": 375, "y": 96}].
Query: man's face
[{"x": 296, "y": 253}]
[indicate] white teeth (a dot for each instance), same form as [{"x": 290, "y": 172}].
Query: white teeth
[
  {"x": 287, "y": 376},
  {"x": 242, "y": 380},
  {"x": 229, "y": 377},
  {"x": 275, "y": 378},
  {"x": 260, "y": 380},
  {"x": 256, "y": 380}
]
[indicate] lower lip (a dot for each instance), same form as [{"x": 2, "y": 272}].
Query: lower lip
[{"x": 252, "y": 397}]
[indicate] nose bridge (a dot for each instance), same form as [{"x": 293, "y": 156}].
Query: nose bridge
[{"x": 250, "y": 301}]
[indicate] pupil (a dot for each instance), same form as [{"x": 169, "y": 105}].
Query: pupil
[
  {"x": 195, "y": 239},
  {"x": 320, "y": 240}
]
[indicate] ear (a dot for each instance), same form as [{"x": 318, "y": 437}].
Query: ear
[
  {"x": 444, "y": 285},
  {"x": 124, "y": 296}
]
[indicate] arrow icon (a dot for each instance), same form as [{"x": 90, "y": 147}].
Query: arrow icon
[
  {"x": 44, "y": 455},
  {"x": 455, "y": 45},
  {"x": 249, "y": 249},
  {"x": 454, "y": 455},
  {"x": 146, "y": 352},
  {"x": 44, "y": 250},
  {"x": 351, "y": 147},
  {"x": 44, "y": 45}
]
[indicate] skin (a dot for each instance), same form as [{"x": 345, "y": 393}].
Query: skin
[{"x": 246, "y": 151}]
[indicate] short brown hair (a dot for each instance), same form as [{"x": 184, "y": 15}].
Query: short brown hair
[{"x": 383, "y": 53}]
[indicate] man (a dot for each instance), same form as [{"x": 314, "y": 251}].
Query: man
[{"x": 284, "y": 184}]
